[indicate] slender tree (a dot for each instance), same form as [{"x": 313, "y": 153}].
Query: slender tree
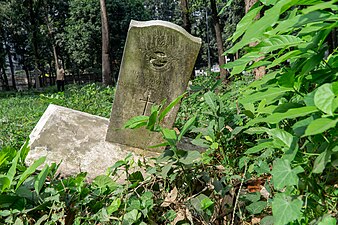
[
  {"x": 106, "y": 70},
  {"x": 4, "y": 77},
  {"x": 185, "y": 15},
  {"x": 34, "y": 30},
  {"x": 219, "y": 40},
  {"x": 11, "y": 65}
]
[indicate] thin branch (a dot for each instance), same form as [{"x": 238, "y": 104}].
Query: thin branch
[{"x": 237, "y": 197}]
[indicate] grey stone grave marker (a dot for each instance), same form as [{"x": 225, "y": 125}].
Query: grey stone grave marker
[
  {"x": 158, "y": 60},
  {"x": 157, "y": 63}
]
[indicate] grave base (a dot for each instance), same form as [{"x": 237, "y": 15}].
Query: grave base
[{"x": 76, "y": 139}]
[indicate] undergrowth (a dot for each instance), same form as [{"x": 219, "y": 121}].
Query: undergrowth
[{"x": 271, "y": 154}]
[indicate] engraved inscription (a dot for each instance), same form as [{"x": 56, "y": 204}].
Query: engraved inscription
[
  {"x": 147, "y": 102},
  {"x": 158, "y": 49}
]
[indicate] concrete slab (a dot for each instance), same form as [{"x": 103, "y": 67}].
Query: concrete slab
[{"x": 76, "y": 139}]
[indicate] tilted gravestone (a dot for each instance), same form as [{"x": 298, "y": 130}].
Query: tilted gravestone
[{"x": 157, "y": 63}]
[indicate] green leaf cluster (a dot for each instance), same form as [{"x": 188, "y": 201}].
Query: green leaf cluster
[{"x": 292, "y": 111}]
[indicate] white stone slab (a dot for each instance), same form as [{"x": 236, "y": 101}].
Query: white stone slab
[{"x": 76, "y": 139}]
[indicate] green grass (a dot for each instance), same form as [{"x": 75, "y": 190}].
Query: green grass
[
  {"x": 19, "y": 112},
  {"x": 18, "y": 116}
]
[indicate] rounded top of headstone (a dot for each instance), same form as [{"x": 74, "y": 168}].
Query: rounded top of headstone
[{"x": 167, "y": 24}]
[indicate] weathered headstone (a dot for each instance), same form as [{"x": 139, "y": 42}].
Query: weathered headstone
[
  {"x": 157, "y": 63},
  {"x": 36, "y": 74}
]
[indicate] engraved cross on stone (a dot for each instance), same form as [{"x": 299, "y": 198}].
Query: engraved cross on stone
[{"x": 147, "y": 102}]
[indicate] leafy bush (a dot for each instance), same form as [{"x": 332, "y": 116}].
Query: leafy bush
[{"x": 292, "y": 111}]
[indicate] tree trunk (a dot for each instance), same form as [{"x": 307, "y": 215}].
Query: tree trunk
[
  {"x": 26, "y": 71},
  {"x": 260, "y": 71},
  {"x": 185, "y": 15},
  {"x": 1, "y": 80},
  {"x": 249, "y": 4},
  {"x": 186, "y": 23},
  {"x": 55, "y": 57},
  {"x": 51, "y": 76},
  {"x": 11, "y": 66},
  {"x": 106, "y": 70},
  {"x": 219, "y": 40},
  {"x": 34, "y": 24},
  {"x": 6, "y": 85},
  {"x": 51, "y": 36}
]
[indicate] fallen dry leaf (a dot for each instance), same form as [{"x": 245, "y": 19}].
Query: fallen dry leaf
[
  {"x": 255, "y": 220},
  {"x": 180, "y": 215},
  {"x": 264, "y": 192},
  {"x": 171, "y": 197}
]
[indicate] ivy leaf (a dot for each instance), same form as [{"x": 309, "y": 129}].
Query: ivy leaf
[
  {"x": 327, "y": 220},
  {"x": 282, "y": 136},
  {"x": 201, "y": 202},
  {"x": 114, "y": 206},
  {"x": 103, "y": 182},
  {"x": 325, "y": 99},
  {"x": 300, "y": 127},
  {"x": 256, "y": 207},
  {"x": 321, "y": 161},
  {"x": 283, "y": 175},
  {"x": 287, "y": 79},
  {"x": 320, "y": 125},
  {"x": 285, "y": 210},
  {"x": 190, "y": 157},
  {"x": 259, "y": 147},
  {"x": 268, "y": 220},
  {"x": 166, "y": 169},
  {"x": 131, "y": 217},
  {"x": 253, "y": 197}
]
